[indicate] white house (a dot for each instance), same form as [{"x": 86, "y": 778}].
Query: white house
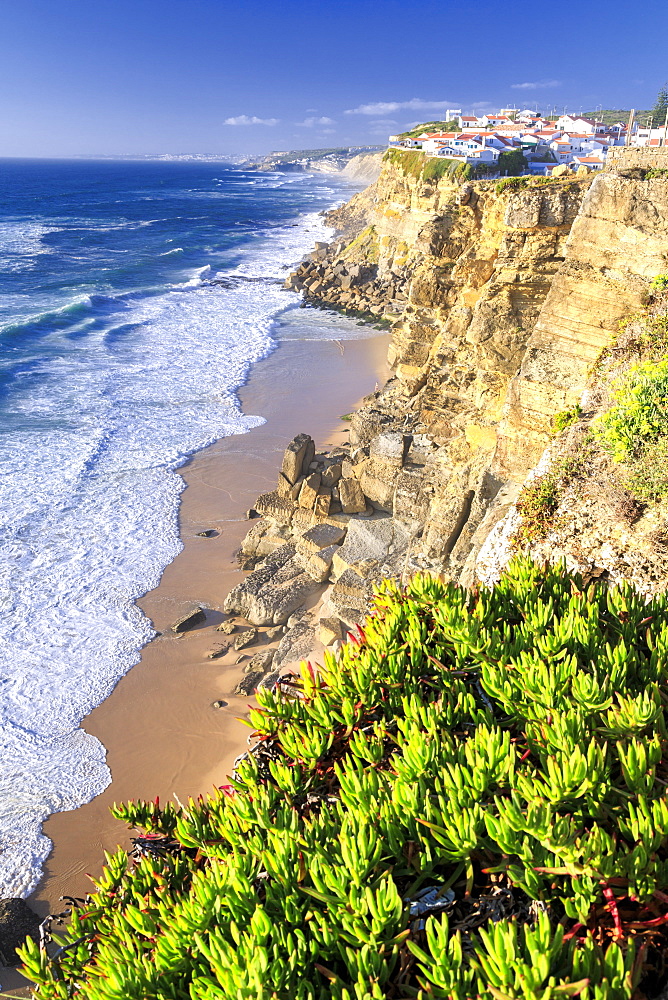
[
  {"x": 466, "y": 141},
  {"x": 575, "y": 123},
  {"x": 469, "y": 121},
  {"x": 484, "y": 154},
  {"x": 449, "y": 152},
  {"x": 563, "y": 151},
  {"x": 590, "y": 162},
  {"x": 495, "y": 121},
  {"x": 500, "y": 142},
  {"x": 436, "y": 140},
  {"x": 650, "y": 137}
]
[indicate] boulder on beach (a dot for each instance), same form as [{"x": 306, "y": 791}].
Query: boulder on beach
[
  {"x": 246, "y": 638},
  {"x": 261, "y": 661},
  {"x": 270, "y": 594},
  {"x": 189, "y": 621},
  {"x": 249, "y": 682},
  {"x": 296, "y": 644},
  {"x": 17, "y": 922}
]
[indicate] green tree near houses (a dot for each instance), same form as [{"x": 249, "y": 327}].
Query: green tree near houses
[{"x": 660, "y": 108}]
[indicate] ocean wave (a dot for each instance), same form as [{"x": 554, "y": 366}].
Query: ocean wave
[
  {"x": 57, "y": 317},
  {"x": 92, "y": 439}
]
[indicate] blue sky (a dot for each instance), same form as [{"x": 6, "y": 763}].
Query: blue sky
[{"x": 225, "y": 76}]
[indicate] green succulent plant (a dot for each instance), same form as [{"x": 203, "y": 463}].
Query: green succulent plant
[{"x": 468, "y": 800}]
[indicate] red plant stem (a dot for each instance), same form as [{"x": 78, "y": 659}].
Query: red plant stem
[{"x": 612, "y": 906}]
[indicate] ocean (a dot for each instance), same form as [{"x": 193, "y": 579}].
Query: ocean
[{"x": 134, "y": 299}]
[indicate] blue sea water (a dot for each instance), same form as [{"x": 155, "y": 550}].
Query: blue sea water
[{"x": 134, "y": 297}]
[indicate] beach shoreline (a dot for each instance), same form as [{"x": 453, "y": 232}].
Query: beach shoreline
[{"x": 160, "y": 731}]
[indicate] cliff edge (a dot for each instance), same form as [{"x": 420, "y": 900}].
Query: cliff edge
[{"x": 502, "y": 298}]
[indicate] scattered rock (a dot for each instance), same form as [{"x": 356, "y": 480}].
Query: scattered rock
[
  {"x": 351, "y": 591},
  {"x": 189, "y": 621},
  {"x": 295, "y": 645},
  {"x": 275, "y": 505},
  {"x": 270, "y": 679},
  {"x": 251, "y": 513},
  {"x": 17, "y": 921},
  {"x": 309, "y": 491},
  {"x": 209, "y": 533},
  {"x": 242, "y": 597},
  {"x": 297, "y": 458},
  {"x": 261, "y": 661},
  {"x": 227, "y": 627},
  {"x": 213, "y": 654},
  {"x": 352, "y": 498},
  {"x": 219, "y": 704},
  {"x": 246, "y": 638},
  {"x": 389, "y": 448},
  {"x": 374, "y": 540},
  {"x": 331, "y": 630},
  {"x": 273, "y": 633},
  {"x": 320, "y": 536},
  {"x": 331, "y": 475},
  {"x": 270, "y": 594},
  {"x": 296, "y": 618},
  {"x": 240, "y": 659},
  {"x": 247, "y": 684},
  {"x": 323, "y": 502},
  {"x": 318, "y": 565}
]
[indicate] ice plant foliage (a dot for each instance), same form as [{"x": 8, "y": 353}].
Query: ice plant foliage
[{"x": 468, "y": 801}]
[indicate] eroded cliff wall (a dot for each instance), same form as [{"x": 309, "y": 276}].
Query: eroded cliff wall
[{"x": 501, "y": 298}]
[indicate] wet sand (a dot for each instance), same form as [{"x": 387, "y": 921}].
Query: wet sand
[{"x": 160, "y": 730}]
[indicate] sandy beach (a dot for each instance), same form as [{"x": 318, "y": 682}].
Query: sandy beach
[
  {"x": 162, "y": 735},
  {"x": 160, "y": 730}
]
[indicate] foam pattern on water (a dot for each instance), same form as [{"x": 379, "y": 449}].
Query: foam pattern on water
[{"x": 108, "y": 396}]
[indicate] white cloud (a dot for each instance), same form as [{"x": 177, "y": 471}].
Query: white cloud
[
  {"x": 384, "y": 121},
  {"x": 251, "y": 120},
  {"x": 327, "y": 131},
  {"x": 388, "y": 107},
  {"x": 312, "y": 122},
  {"x": 536, "y": 85}
]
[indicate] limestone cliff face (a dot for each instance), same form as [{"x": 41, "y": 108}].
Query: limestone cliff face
[
  {"x": 617, "y": 244},
  {"x": 500, "y": 302}
]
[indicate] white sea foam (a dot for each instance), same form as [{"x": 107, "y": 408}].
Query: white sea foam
[
  {"x": 21, "y": 243},
  {"x": 89, "y": 513}
]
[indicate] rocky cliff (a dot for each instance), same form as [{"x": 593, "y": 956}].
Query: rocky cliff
[
  {"x": 356, "y": 162},
  {"x": 501, "y": 297}
]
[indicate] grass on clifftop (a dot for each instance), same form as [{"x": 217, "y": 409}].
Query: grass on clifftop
[
  {"x": 415, "y": 163},
  {"x": 467, "y": 802},
  {"x": 450, "y": 126}
]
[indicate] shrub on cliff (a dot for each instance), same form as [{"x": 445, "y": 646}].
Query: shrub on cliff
[
  {"x": 639, "y": 413},
  {"x": 468, "y": 801},
  {"x": 513, "y": 162},
  {"x": 634, "y": 429}
]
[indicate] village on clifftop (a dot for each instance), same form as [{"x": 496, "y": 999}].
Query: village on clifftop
[{"x": 545, "y": 143}]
